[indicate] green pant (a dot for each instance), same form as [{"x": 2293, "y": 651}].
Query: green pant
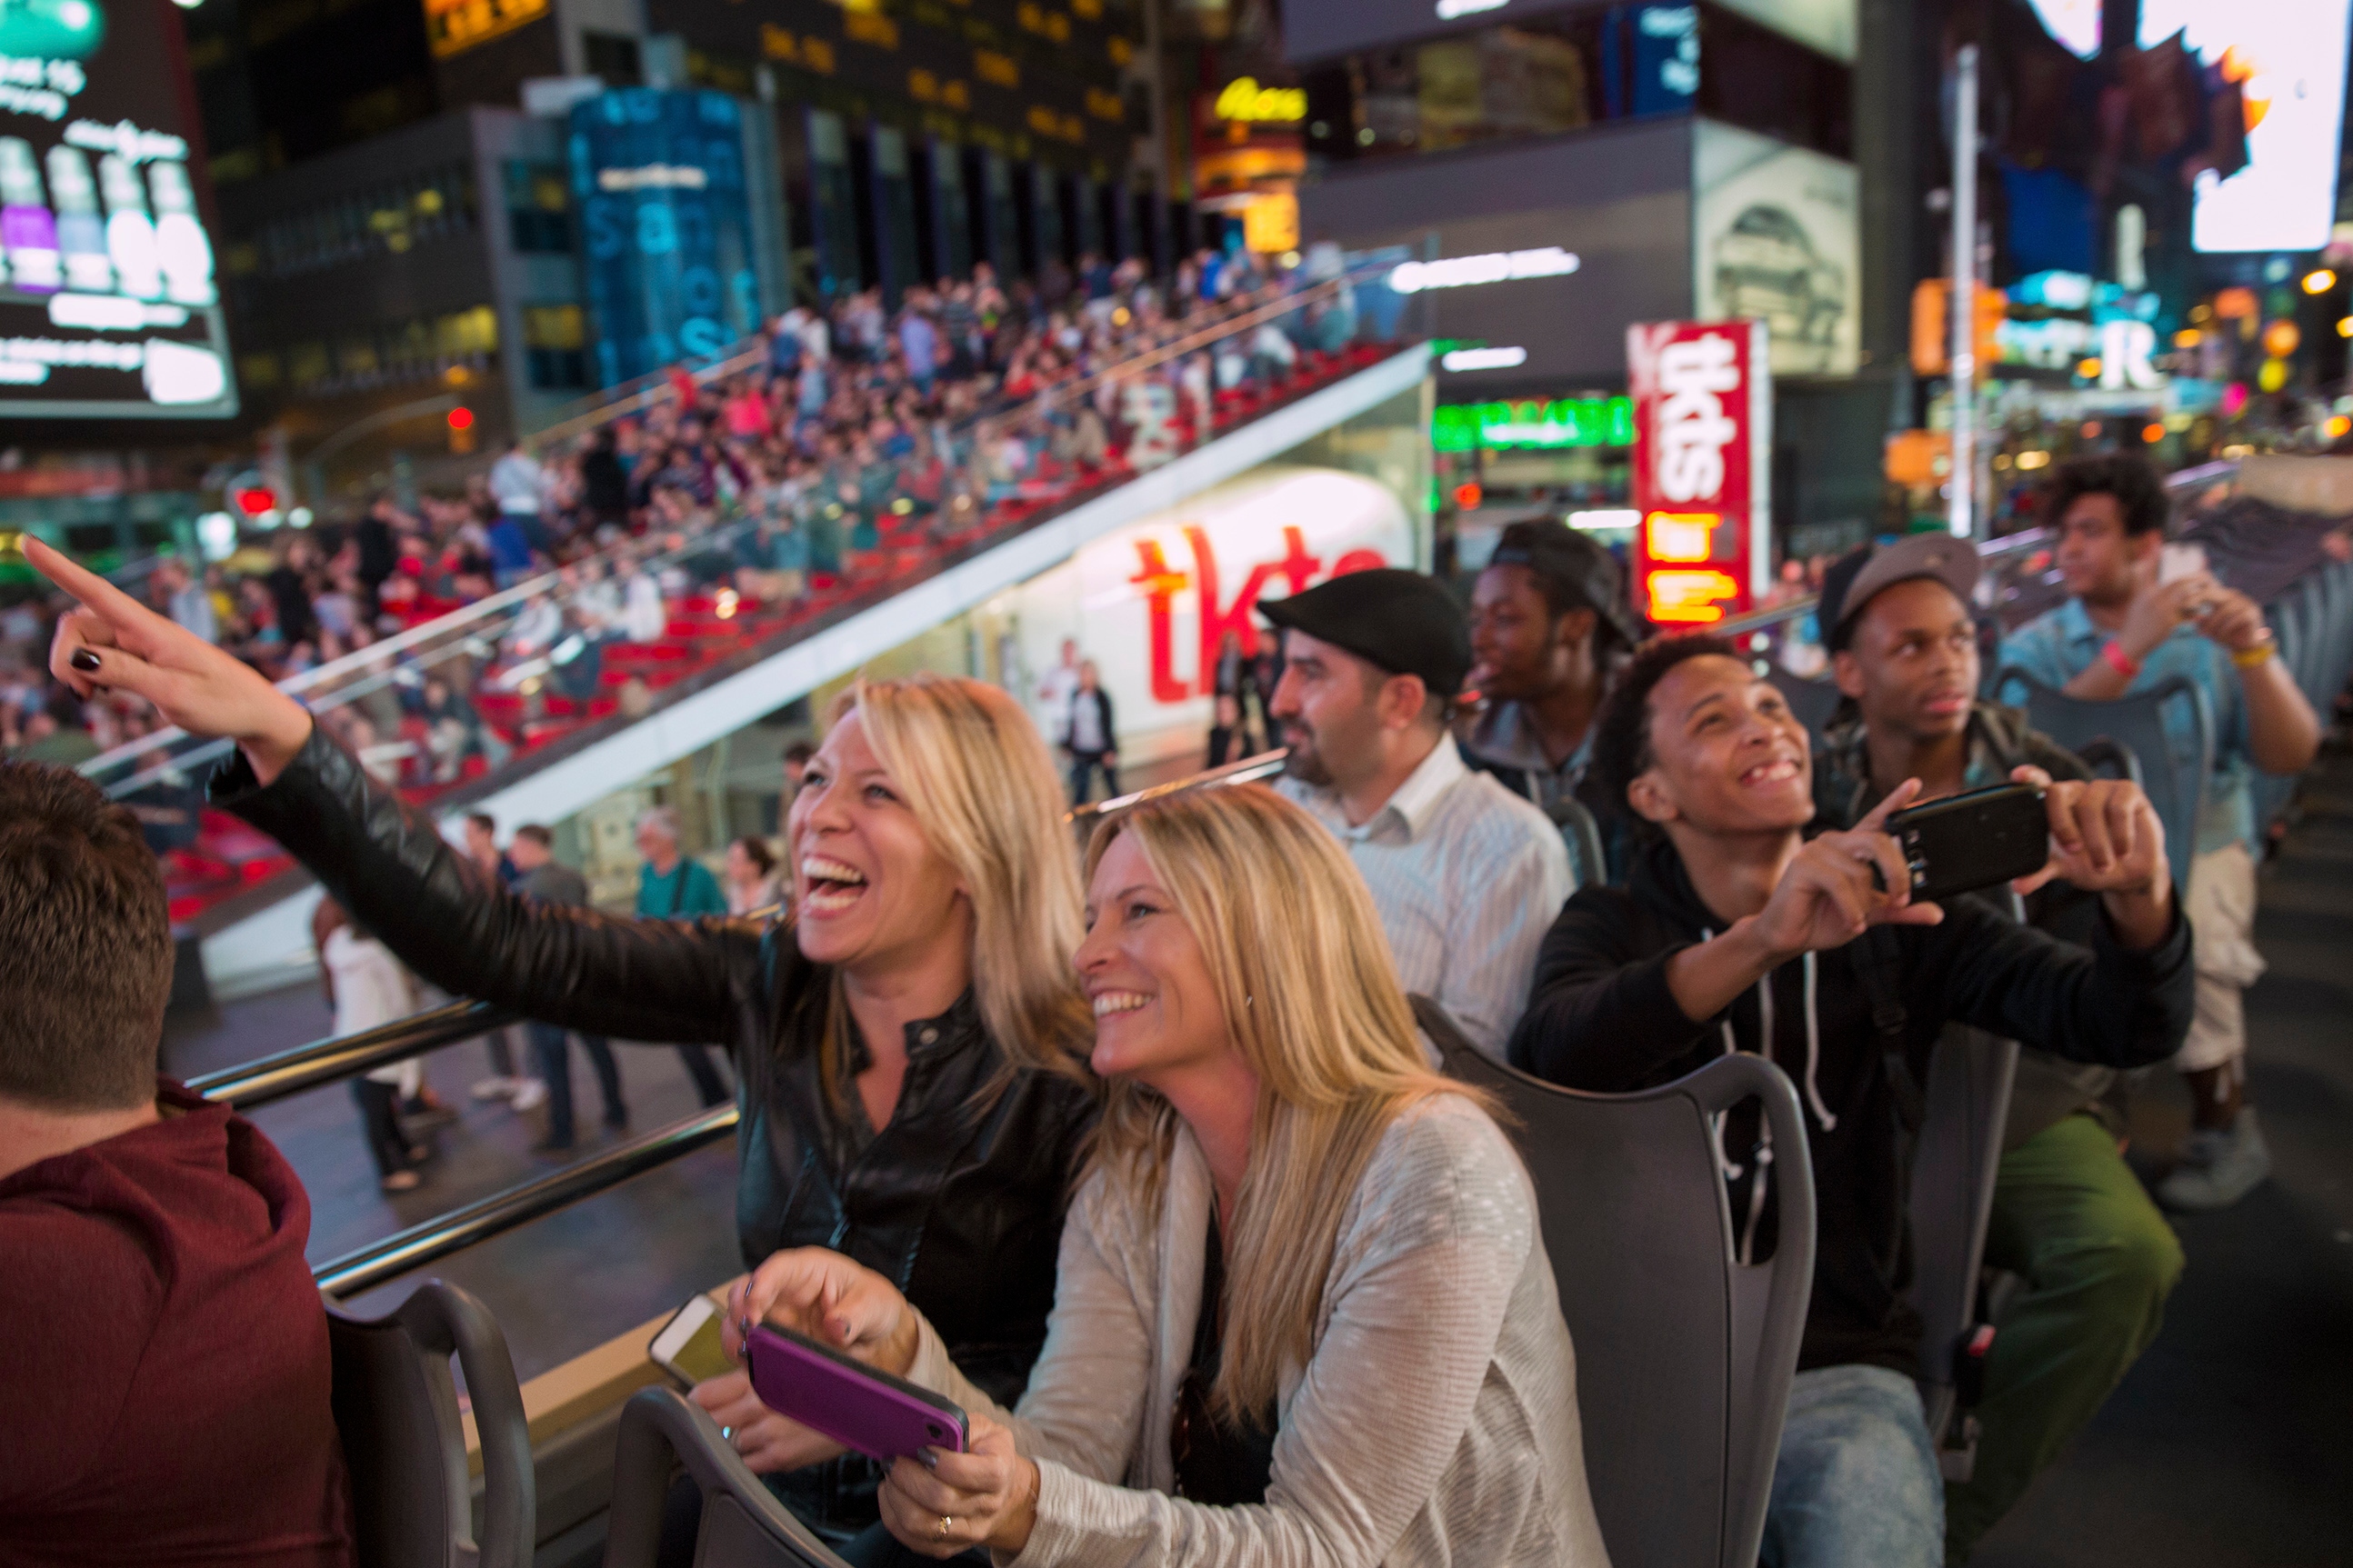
[{"x": 2098, "y": 1261}]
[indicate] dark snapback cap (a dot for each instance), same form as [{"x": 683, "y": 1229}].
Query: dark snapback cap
[
  {"x": 1853, "y": 579},
  {"x": 1401, "y": 621},
  {"x": 1574, "y": 563}
]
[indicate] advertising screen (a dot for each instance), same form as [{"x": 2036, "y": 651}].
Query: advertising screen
[
  {"x": 659, "y": 179},
  {"x": 1776, "y": 236},
  {"x": 1702, "y": 477},
  {"x": 108, "y": 301},
  {"x": 2288, "y": 57}
]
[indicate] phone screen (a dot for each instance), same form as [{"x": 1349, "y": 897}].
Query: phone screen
[{"x": 689, "y": 1347}]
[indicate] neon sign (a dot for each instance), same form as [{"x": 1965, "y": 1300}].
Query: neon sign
[
  {"x": 1702, "y": 415},
  {"x": 1547, "y": 423},
  {"x": 1495, "y": 267},
  {"x": 1243, "y": 99}
]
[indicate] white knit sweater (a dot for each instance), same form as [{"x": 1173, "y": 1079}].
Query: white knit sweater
[{"x": 1435, "y": 1423}]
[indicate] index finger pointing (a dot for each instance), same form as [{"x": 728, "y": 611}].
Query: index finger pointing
[{"x": 83, "y": 584}]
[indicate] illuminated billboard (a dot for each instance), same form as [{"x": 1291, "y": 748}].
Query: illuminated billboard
[
  {"x": 658, "y": 180},
  {"x": 109, "y": 306},
  {"x": 2288, "y": 57},
  {"x": 1703, "y": 395}
]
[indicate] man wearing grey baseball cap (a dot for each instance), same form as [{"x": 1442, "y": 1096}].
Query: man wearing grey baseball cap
[
  {"x": 2069, "y": 1217},
  {"x": 1466, "y": 875}
]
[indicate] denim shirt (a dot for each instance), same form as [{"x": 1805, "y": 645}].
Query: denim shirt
[{"x": 2057, "y": 647}]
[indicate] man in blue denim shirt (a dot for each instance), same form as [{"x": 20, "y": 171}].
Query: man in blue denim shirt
[{"x": 2121, "y": 633}]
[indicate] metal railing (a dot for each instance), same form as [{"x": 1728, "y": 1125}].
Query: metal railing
[
  {"x": 435, "y": 1239},
  {"x": 324, "y": 1062}
]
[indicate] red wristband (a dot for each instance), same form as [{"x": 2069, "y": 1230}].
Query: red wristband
[{"x": 2120, "y": 661}]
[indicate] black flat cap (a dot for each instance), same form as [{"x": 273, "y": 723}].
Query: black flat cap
[{"x": 1403, "y": 622}]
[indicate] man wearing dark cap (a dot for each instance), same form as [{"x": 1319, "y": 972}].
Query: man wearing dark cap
[
  {"x": 1467, "y": 876},
  {"x": 1548, "y": 621},
  {"x": 2069, "y": 1217}
]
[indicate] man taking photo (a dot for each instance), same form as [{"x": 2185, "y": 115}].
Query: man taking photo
[
  {"x": 1466, "y": 874},
  {"x": 2069, "y": 1215},
  {"x": 2123, "y": 632},
  {"x": 1736, "y": 932}
]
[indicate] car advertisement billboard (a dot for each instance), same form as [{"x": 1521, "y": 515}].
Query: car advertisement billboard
[
  {"x": 1152, "y": 603},
  {"x": 1776, "y": 238},
  {"x": 2288, "y": 57},
  {"x": 1702, "y": 478},
  {"x": 109, "y": 306}
]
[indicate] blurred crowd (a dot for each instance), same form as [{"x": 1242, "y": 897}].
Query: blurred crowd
[{"x": 853, "y": 434}]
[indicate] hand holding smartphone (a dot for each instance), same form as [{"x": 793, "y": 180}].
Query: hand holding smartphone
[
  {"x": 857, "y": 1406},
  {"x": 1975, "y": 839}
]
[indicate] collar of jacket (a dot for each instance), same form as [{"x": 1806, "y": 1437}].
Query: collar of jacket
[{"x": 938, "y": 1037}]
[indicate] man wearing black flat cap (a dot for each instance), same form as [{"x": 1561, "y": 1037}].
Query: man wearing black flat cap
[
  {"x": 1549, "y": 623},
  {"x": 1467, "y": 876}
]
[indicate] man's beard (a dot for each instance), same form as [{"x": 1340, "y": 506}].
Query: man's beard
[{"x": 1304, "y": 763}]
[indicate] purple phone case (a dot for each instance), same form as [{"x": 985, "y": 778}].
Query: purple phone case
[{"x": 857, "y": 1406}]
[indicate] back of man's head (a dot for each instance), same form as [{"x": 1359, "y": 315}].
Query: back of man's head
[{"x": 85, "y": 945}]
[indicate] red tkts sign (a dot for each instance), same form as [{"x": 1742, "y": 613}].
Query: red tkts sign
[{"x": 1702, "y": 477}]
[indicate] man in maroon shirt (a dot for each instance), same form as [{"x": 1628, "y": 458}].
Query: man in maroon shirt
[{"x": 163, "y": 1375}]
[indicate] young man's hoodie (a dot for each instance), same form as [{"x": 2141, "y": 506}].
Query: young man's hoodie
[{"x": 1601, "y": 1018}]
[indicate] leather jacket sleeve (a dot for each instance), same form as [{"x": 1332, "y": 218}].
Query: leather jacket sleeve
[{"x": 645, "y": 980}]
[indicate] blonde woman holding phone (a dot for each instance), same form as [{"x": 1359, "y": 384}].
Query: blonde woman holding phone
[
  {"x": 910, "y": 1044},
  {"x": 1303, "y": 1312}
]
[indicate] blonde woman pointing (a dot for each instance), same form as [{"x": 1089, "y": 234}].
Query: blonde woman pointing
[
  {"x": 908, "y": 1046},
  {"x": 1304, "y": 1313}
]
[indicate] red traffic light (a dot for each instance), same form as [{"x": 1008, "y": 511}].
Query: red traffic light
[
  {"x": 255, "y": 499},
  {"x": 462, "y": 418}
]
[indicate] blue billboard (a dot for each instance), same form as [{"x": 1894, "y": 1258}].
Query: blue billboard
[{"x": 659, "y": 179}]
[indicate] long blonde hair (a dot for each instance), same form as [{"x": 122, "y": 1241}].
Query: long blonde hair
[
  {"x": 976, "y": 777},
  {"x": 1294, "y": 946}
]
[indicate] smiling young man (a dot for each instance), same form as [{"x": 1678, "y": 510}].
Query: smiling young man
[
  {"x": 2121, "y": 633},
  {"x": 1466, "y": 875},
  {"x": 1735, "y": 932},
  {"x": 2069, "y": 1217},
  {"x": 1548, "y": 621}
]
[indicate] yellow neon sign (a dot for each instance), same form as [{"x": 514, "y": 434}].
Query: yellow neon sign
[{"x": 1244, "y": 100}]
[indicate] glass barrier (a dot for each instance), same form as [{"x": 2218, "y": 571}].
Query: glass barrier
[{"x": 459, "y": 693}]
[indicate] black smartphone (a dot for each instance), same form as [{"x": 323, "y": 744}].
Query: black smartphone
[{"x": 1973, "y": 840}]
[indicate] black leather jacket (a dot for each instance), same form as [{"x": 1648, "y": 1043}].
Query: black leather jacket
[{"x": 959, "y": 1200}]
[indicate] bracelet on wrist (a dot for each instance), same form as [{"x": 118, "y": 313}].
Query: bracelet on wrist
[
  {"x": 2253, "y": 658},
  {"x": 2120, "y": 661}
]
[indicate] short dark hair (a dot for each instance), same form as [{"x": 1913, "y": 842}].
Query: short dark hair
[
  {"x": 85, "y": 945},
  {"x": 756, "y": 849},
  {"x": 2133, "y": 479},
  {"x": 1621, "y": 736},
  {"x": 537, "y": 835},
  {"x": 483, "y": 820}
]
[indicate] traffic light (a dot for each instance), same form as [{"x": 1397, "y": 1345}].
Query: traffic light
[
  {"x": 255, "y": 499},
  {"x": 1932, "y": 327},
  {"x": 461, "y": 430}
]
